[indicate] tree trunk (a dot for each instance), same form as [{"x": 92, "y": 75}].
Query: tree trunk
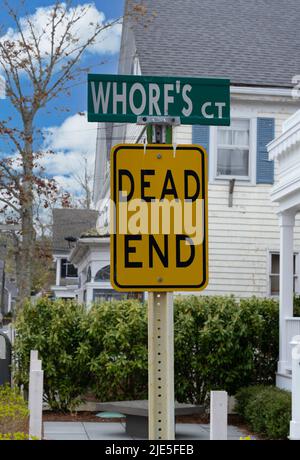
[
  {"x": 26, "y": 248},
  {"x": 28, "y": 233}
]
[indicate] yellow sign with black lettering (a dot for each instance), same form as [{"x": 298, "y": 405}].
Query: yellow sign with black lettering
[{"x": 159, "y": 218}]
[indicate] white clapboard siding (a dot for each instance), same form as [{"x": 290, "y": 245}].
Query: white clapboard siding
[
  {"x": 133, "y": 132},
  {"x": 241, "y": 236}
]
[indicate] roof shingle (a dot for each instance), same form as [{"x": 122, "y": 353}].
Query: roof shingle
[
  {"x": 250, "y": 42},
  {"x": 71, "y": 222}
]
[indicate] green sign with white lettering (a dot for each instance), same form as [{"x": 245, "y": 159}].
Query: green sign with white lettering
[{"x": 123, "y": 98}]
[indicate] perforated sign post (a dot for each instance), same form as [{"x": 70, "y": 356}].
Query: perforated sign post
[{"x": 159, "y": 207}]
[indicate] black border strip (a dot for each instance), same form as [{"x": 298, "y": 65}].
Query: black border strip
[{"x": 164, "y": 286}]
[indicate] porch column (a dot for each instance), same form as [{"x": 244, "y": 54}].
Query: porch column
[
  {"x": 58, "y": 271},
  {"x": 286, "y": 223},
  {"x": 89, "y": 296}
]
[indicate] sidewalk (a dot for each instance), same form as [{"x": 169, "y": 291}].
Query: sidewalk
[{"x": 116, "y": 431}]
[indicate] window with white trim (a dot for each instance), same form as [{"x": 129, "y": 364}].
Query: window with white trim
[
  {"x": 274, "y": 272},
  {"x": 233, "y": 150},
  {"x": 68, "y": 270},
  {"x": 103, "y": 274}
]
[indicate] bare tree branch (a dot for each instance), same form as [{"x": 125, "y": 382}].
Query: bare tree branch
[{"x": 34, "y": 77}]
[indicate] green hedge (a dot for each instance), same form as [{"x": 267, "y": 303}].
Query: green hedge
[
  {"x": 116, "y": 344},
  {"x": 223, "y": 344},
  {"x": 220, "y": 343},
  {"x": 56, "y": 330},
  {"x": 266, "y": 409}
]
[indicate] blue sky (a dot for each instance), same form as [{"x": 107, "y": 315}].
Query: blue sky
[{"x": 70, "y": 135}]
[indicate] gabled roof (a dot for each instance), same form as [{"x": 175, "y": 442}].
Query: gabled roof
[
  {"x": 71, "y": 222},
  {"x": 254, "y": 43}
]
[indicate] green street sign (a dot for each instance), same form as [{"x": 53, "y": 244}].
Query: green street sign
[{"x": 123, "y": 98}]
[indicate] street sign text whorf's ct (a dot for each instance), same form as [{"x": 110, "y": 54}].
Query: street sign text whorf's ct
[{"x": 123, "y": 98}]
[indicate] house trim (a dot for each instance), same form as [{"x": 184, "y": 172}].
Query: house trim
[{"x": 261, "y": 91}]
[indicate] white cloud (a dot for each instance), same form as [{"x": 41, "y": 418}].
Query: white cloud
[
  {"x": 72, "y": 141},
  {"x": 107, "y": 42},
  {"x": 75, "y": 133},
  {"x": 69, "y": 184}
]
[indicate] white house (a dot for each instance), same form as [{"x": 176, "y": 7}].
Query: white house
[
  {"x": 68, "y": 225},
  {"x": 285, "y": 149},
  {"x": 218, "y": 39},
  {"x": 250, "y": 46}
]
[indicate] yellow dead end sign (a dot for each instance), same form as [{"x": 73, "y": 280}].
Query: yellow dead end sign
[{"x": 159, "y": 218}]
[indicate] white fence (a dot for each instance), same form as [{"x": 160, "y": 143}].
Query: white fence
[
  {"x": 218, "y": 415},
  {"x": 292, "y": 329},
  {"x": 35, "y": 399}
]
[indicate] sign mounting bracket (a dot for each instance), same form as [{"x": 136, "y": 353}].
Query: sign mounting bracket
[{"x": 168, "y": 121}]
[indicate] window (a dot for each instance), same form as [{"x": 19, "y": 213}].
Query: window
[
  {"x": 274, "y": 272},
  {"x": 68, "y": 270},
  {"x": 103, "y": 274},
  {"x": 89, "y": 275},
  {"x": 107, "y": 295},
  {"x": 233, "y": 147}
]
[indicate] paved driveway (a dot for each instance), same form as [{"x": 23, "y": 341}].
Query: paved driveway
[{"x": 116, "y": 431}]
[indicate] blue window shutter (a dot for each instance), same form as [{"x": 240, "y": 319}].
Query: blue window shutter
[
  {"x": 264, "y": 167},
  {"x": 200, "y": 135}
]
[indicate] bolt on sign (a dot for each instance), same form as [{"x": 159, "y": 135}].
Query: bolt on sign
[
  {"x": 122, "y": 98},
  {"x": 159, "y": 217}
]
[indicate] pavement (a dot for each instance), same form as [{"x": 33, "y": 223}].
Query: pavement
[{"x": 116, "y": 431}]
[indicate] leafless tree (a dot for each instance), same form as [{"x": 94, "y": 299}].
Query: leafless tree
[
  {"x": 84, "y": 180},
  {"x": 34, "y": 77}
]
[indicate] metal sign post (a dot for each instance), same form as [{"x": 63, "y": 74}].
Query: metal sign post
[
  {"x": 159, "y": 258},
  {"x": 159, "y": 261},
  {"x": 161, "y": 366},
  {"x": 161, "y": 410}
]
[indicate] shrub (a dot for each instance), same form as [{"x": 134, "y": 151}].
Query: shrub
[
  {"x": 13, "y": 411},
  {"x": 213, "y": 346},
  {"x": 55, "y": 329},
  {"x": 116, "y": 342},
  {"x": 18, "y": 436},
  {"x": 265, "y": 339},
  {"x": 220, "y": 343},
  {"x": 267, "y": 409}
]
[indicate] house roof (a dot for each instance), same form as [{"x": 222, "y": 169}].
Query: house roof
[
  {"x": 252, "y": 43},
  {"x": 71, "y": 222}
]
